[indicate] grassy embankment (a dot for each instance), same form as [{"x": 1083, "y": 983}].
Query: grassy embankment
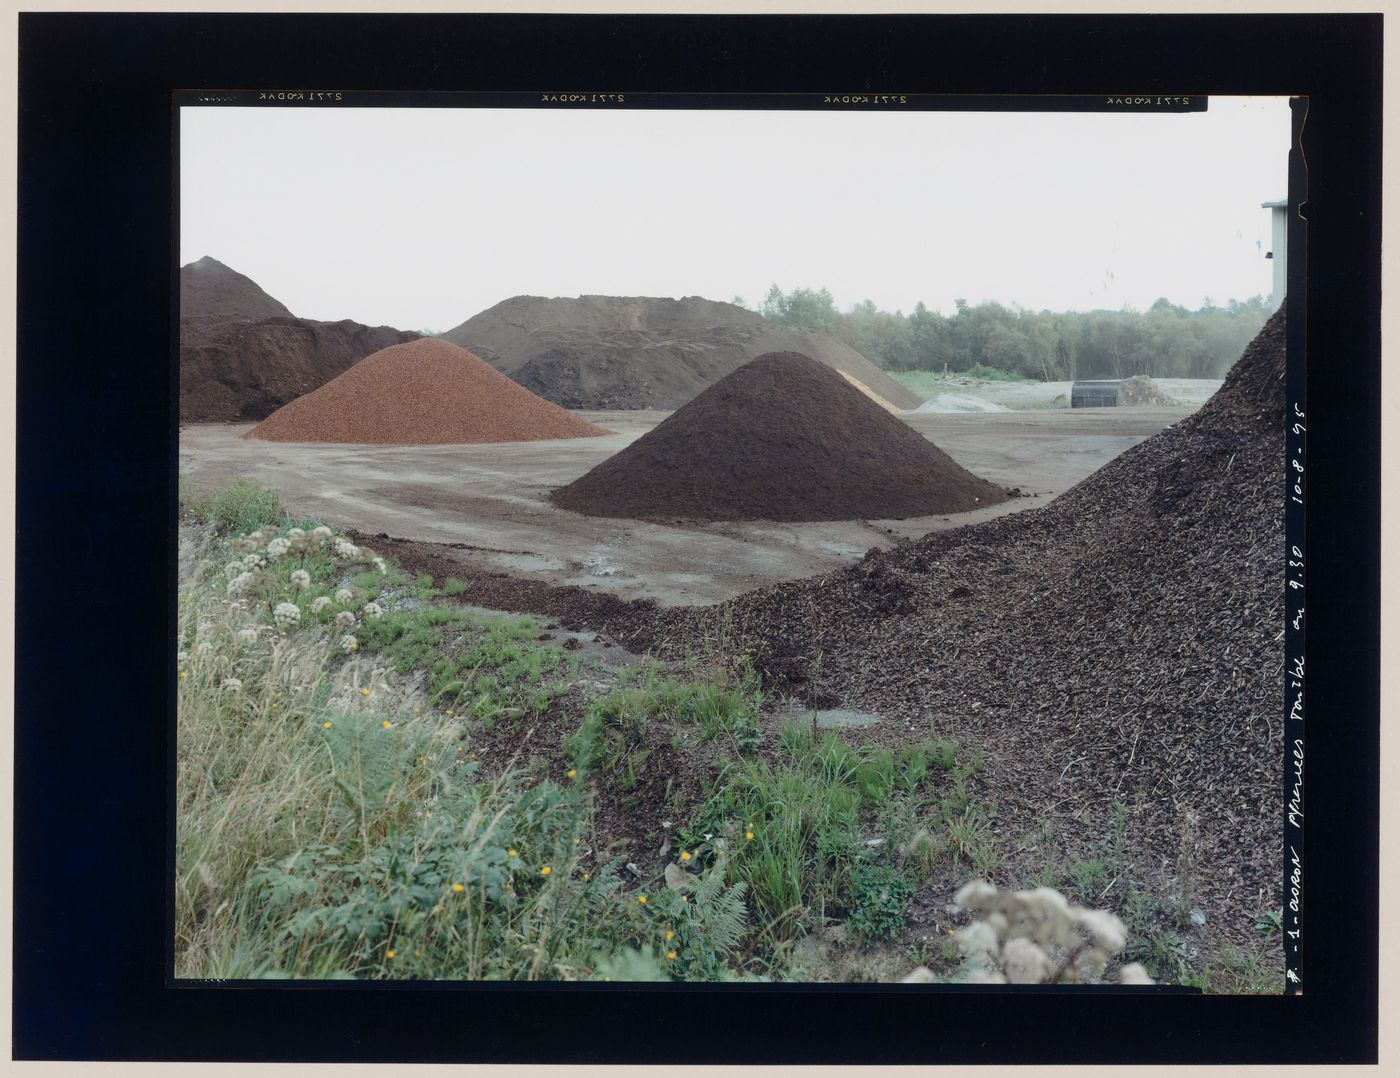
[{"x": 337, "y": 818}]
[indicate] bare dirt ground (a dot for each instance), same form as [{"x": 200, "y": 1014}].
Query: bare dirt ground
[{"x": 489, "y": 501}]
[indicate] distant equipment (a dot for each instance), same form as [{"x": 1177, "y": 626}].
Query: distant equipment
[
  {"x": 1278, "y": 219},
  {"x": 1104, "y": 393}
]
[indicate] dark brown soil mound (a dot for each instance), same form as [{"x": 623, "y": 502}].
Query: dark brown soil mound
[
  {"x": 209, "y": 289},
  {"x": 637, "y": 352},
  {"x": 425, "y": 392},
  {"x": 234, "y": 372},
  {"x": 782, "y": 438},
  {"x": 243, "y": 354},
  {"x": 1122, "y": 644}
]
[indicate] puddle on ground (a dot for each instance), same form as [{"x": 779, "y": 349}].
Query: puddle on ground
[{"x": 832, "y": 718}]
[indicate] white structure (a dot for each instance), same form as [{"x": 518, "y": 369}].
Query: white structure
[{"x": 1279, "y": 212}]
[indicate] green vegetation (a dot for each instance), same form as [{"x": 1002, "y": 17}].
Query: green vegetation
[
  {"x": 240, "y": 507},
  {"x": 991, "y": 340},
  {"x": 335, "y": 817},
  {"x": 880, "y": 902}
]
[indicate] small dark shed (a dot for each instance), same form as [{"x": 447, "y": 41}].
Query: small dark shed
[{"x": 1099, "y": 394}]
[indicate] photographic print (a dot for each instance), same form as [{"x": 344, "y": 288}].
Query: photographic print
[{"x": 814, "y": 538}]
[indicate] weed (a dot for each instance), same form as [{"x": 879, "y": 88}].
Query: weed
[
  {"x": 970, "y": 837},
  {"x": 875, "y": 776},
  {"x": 879, "y": 902},
  {"x": 242, "y": 506},
  {"x": 1089, "y": 878}
]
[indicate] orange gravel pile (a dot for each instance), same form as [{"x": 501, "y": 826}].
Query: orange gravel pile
[{"x": 425, "y": 392}]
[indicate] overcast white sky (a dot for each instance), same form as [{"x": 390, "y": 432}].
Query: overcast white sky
[{"x": 420, "y": 218}]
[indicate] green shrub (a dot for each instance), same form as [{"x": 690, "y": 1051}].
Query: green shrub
[
  {"x": 879, "y": 902},
  {"x": 242, "y": 506}
]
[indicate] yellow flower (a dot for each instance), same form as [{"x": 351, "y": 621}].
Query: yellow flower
[
  {"x": 364, "y": 692},
  {"x": 570, "y": 773},
  {"x": 418, "y": 953},
  {"x": 642, "y": 899},
  {"x": 390, "y": 953},
  {"x": 546, "y": 870},
  {"x": 685, "y": 856},
  {"x": 182, "y": 673},
  {"x": 585, "y": 877},
  {"x": 327, "y": 724},
  {"x": 748, "y": 836},
  {"x": 671, "y": 955},
  {"x": 670, "y": 934},
  {"x": 387, "y": 724},
  {"x": 576, "y": 842},
  {"x": 449, "y": 711},
  {"x": 458, "y": 887},
  {"x": 685, "y": 898},
  {"x": 512, "y": 852}
]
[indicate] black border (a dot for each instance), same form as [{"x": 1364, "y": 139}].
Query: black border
[{"x": 95, "y": 510}]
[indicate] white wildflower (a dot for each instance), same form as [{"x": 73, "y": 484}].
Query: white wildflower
[
  {"x": 372, "y": 610},
  {"x": 976, "y": 938},
  {"x": 254, "y": 561},
  {"x": 1048, "y": 898},
  {"x": 380, "y": 566},
  {"x": 320, "y": 603},
  {"x": 1106, "y": 929},
  {"x": 1024, "y": 962},
  {"x": 346, "y": 549},
  {"x": 975, "y": 895},
  {"x": 239, "y": 583},
  {"x": 247, "y": 636},
  {"x": 348, "y": 643},
  {"x": 232, "y": 684},
  {"x": 323, "y": 533},
  {"x": 181, "y": 659},
  {"x": 984, "y": 976},
  {"x": 203, "y": 648},
  {"x": 344, "y": 620},
  {"x": 295, "y": 533},
  {"x": 1134, "y": 973},
  {"x": 233, "y": 568},
  {"x": 286, "y": 615},
  {"x": 277, "y": 548},
  {"x": 345, "y": 595},
  {"x": 301, "y": 578}
]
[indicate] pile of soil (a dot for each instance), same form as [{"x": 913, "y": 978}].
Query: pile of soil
[
  {"x": 1120, "y": 645},
  {"x": 243, "y": 354},
  {"x": 425, "y": 392},
  {"x": 209, "y": 289},
  {"x": 1140, "y": 389},
  {"x": 616, "y": 352},
  {"x": 782, "y": 438}
]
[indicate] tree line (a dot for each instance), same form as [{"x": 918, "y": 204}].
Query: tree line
[{"x": 1165, "y": 341}]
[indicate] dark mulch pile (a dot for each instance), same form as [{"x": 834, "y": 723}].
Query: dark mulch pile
[
  {"x": 606, "y": 352},
  {"x": 243, "y": 354},
  {"x": 423, "y": 392},
  {"x": 1122, "y": 644},
  {"x": 782, "y": 438}
]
